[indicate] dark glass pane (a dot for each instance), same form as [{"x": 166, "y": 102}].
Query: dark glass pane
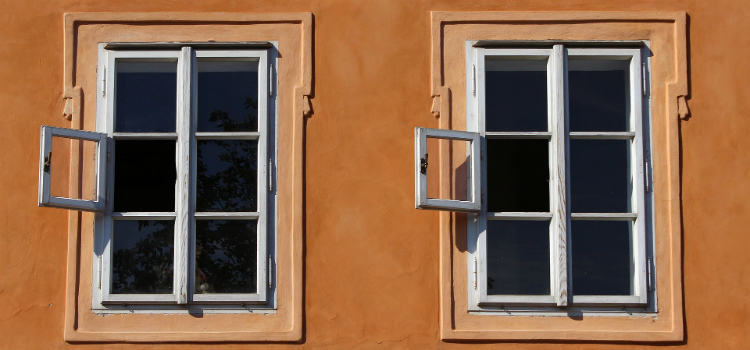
[
  {"x": 145, "y": 175},
  {"x": 227, "y": 95},
  {"x": 142, "y": 256},
  {"x": 227, "y": 175},
  {"x": 226, "y": 256},
  {"x": 145, "y": 96},
  {"x": 601, "y": 257},
  {"x": 517, "y": 175},
  {"x": 516, "y": 95},
  {"x": 518, "y": 257},
  {"x": 598, "y": 95},
  {"x": 600, "y": 178}
]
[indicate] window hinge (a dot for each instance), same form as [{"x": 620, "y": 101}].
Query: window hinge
[
  {"x": 104, "y": 81},
  {"x": 647, "y": 173},
  {"x": 99, "y": 271},
  {"x": 475, "y": 272},
  {"x": 270, "y": 175},
  {"x": 648, "y": 274},
  {"x": 643, "y": 78},
  {"x": 47, "y": 161},
  {"x": 270, "y": 271},
  {"x": 106, "y": 197},
  {"x": 270, "y": 80},
  {"x": 474, "y": 80}
]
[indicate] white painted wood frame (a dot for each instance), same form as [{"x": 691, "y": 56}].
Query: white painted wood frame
[
  {"x": 421, "y": 161},
  {"x": 105, "y": 223},
  {"x": 559, "y": 216},
  {"x": 45, "y": 177},
  {"x": 637, "y": 215},
  {"x": 261, "y": 216},
  {"x": 184, "y": 215}
]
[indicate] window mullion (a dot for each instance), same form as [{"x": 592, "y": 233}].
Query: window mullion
[
  {"x": 557, "y": 123},
  {"x": 182, "y": 201}
]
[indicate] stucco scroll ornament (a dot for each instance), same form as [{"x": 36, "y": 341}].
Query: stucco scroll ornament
[
  {"x": 307, "y": 109},
  {"x": 72, "y": 99},
  {"x": 436, "y": 106},
  {"x": 682, "y": 107}
]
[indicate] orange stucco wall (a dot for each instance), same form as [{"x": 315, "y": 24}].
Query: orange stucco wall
[{"x": 371, "y": 273}]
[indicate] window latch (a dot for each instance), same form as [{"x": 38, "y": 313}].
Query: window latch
[
  {"x": 423, "y": 164},
  {"x": 47, "y": 161}
]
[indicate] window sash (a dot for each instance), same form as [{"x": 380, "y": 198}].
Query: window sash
[
  {"x": 185, "y": 216},
  {"x": 559, "y": 215},
  {"x": 421, "y": 167},
  {"x": 46, "y": 199}
]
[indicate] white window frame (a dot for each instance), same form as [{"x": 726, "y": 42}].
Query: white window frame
[
  {"x": 559, "y": 217},
  {"x": 45, "y": 159},
  {"x": 186, "y": 138},
  {"x": 473, "y": 202}
]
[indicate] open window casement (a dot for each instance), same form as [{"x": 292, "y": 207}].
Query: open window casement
[
  {"x": 468, "y": 170},
  {"x": 46, "y": 196}
]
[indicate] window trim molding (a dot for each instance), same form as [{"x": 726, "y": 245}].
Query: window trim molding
[
  {"x": 666, "y": 32},
  {"x": 285, "y": 324}
]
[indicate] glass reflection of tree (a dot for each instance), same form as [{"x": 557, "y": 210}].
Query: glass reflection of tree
[
  {"x": 226, "y": 252},
  {"x": 146, "y": 268}
]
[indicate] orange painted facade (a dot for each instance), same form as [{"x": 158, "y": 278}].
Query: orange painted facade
[{"x": 363, "y": 269}]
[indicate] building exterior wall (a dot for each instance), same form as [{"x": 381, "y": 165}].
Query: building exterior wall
[{"x": 371, "y": 261}]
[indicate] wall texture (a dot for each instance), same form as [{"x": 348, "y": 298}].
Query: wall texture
[{"x": 371, "y": 260}]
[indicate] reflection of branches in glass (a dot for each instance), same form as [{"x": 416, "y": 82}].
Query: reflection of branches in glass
[
  {"x": 227, "y": 175},
  {"x": 226, "y": 123},
  {"x": 226, "y": 256},
  {"x": 227, "y": 169},
  {"x": 227, "y": 181},
  {"x": 146, "y": 266}
]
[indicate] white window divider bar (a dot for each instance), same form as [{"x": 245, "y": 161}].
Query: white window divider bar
[
  {"x": 559, "y": 226},
  {"x": 182, "y": 201}
]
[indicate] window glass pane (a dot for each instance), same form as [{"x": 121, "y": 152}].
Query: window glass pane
[
  {"x": 227, "y": 175},
  {"x": 142, "y": 256},
  {"x": 461, "y": 163},
  {"x": 518, "y": 257},
  {"x": 145, "y": 96},
  {"x": 517, "y": 175},
  {"x": 227, "y": 95},
  {"x": 145, "y": 175},
  {"x": 59, "y": 168},
  {"x": 598, "y": 95},
  {"x": 516, "y": 95},
  {"x": 600, "y": 176},
  {"x": 601, "y": 257},
  {"x": 226, "y": 256}
]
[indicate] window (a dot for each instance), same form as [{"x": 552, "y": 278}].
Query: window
[
  {"x": 531, "y": 238},
  {"x": 221, "y": 160},
  {"x": 188, "y": 201},
  {"x": 188, "y": 177},
  {"x": 564, "y": 220},
  {"x": 563, "y": 223}
]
